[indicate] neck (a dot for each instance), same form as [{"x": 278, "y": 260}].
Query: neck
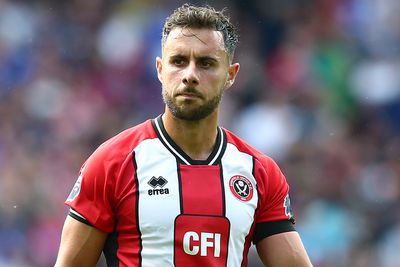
[{"x": 195, "y": 138}]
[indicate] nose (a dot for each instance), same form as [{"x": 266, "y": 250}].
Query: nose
[{"x": 190, "y": 76}]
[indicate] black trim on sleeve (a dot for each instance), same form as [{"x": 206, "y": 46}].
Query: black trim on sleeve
[
  {"x": 78, "y": 218},
  {"x": 265, "y": 229}
]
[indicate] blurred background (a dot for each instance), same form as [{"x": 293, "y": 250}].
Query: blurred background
[{"x": 318, "y": 90}]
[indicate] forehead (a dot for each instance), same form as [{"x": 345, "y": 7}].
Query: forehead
[{"x": 197, "y": 40}]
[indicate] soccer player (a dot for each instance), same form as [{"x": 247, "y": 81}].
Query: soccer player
[{"x": 179, "y": 190}]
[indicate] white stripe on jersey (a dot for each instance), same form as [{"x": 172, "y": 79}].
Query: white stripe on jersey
[
  {"x": 157, "y": 212},
  {"x": 239, "y": 213}
]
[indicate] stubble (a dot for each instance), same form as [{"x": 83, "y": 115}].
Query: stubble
[{"x": 185, "y": 111}]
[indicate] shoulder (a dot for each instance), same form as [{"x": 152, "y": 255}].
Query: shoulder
[
  {"x": 123, "y": 144},
  {"x": 260, "y": 158},
  {"x": 271, "y": 182}
]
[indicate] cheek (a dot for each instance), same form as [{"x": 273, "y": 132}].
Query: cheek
[
  {"x": 171, "y": 81},
  {"x": 173, "y": 76},
  {"x": 220, "y": 80}
]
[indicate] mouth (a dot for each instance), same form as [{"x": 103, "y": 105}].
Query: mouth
[{"x": 189, "y": 93}]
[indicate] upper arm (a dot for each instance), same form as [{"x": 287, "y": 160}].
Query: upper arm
[
  {"x": 273, "y": 190},
  {"x": 283, "y": 250},
  {"x": 81, "y": 244}
]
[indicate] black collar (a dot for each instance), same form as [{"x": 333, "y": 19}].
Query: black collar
[{"x": 213, "y": 159}]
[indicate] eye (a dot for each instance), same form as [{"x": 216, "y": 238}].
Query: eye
[
  {"x": 205, "y": 63},
  {"x": 178, "y": 61}
]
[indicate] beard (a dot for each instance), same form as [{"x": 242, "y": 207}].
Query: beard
[{"x": 186, "y": 112}]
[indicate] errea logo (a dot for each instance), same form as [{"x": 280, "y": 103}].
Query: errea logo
[{"x": 156, "y": 182}]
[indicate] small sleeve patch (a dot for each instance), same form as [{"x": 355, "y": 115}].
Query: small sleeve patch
[
  {"x": 77, "y": 188},
  {"x": 288, "y": 208}
]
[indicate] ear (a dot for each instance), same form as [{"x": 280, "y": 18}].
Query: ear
[
  {"x": 159, "y": 68},
  {"x": 232, "y": 72}
]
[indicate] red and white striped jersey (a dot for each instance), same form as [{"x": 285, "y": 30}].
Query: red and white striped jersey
[{"x": 161, "y": 208}]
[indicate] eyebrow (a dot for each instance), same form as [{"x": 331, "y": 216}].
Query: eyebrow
[{"x": 196, "y": 57}]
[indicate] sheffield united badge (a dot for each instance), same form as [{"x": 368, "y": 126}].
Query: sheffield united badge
[{"x": 241, "y": 188}]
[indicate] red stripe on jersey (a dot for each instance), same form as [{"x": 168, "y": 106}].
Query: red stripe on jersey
[
  {"x": 201, "y": 231},
  {"x": 128, "y": 246},
  {"x": 202, "y": 192}
]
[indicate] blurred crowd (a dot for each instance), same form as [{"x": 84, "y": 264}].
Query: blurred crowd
[{"x": 318, "y": 90}]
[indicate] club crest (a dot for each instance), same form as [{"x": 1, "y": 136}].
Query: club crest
[{"x": 241, "y": 188}]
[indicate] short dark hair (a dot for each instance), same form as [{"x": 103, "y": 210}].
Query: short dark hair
[{"x": 203, "y": 17}]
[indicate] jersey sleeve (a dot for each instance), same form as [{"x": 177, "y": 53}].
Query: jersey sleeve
[
  {"x": 274, "y": 214},
  {"x": 91, "y": 197}
]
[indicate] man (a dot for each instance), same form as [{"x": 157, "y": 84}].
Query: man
[{"x": 178, "y": 190}]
